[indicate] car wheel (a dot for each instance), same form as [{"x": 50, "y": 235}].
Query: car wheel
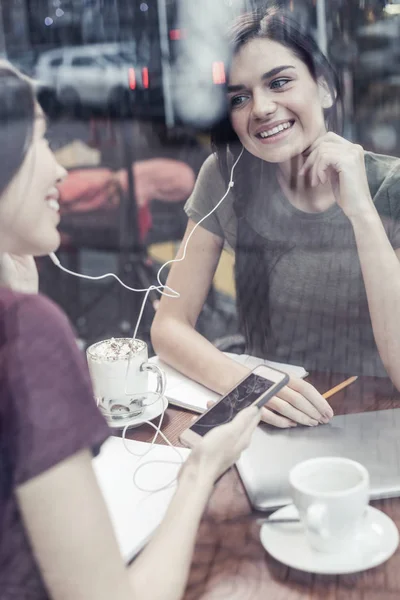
[
  {"x": 120, "y": 103},
  {"x": 72, "y": 106},
  {"x": 49, "y": 103}
]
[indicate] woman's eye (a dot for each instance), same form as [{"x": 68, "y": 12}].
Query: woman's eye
[
  {"x": 279, "y": 83},
  {"x": 237, "y": 101}
]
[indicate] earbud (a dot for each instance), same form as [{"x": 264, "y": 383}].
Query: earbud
[{"x": 327, "y": 100}]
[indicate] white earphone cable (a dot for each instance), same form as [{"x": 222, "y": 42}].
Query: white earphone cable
[{"x": 161, "y": 288}]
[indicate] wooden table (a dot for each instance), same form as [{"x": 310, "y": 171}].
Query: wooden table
[{"x": 230, "y": 563}]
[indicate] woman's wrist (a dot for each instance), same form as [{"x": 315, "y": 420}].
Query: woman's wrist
[
  {"x": 197, "y": 476},
  {"x": 233, "y": 374},
  {"x": 368, "y": 216}
]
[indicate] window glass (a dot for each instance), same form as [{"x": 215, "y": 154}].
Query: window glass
[
  {"x": 83, "y": 61},
  {"x": 56, "y": 62}
]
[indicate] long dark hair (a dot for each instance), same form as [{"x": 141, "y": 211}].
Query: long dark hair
[
  {"x": 17, "y": 114},
  {"x": 279, "y": 26}
]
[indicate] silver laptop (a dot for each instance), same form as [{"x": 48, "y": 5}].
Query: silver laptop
[{"x": 372, "y": 438}]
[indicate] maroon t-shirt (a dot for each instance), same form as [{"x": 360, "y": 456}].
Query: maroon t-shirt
[{"x": 47, "y": 413}]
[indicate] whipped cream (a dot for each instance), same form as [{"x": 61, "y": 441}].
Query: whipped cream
[{"x": 115, "y": 349}]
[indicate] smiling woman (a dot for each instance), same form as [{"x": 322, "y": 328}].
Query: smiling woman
[
  {"x": 29, "y": 172},
  {"x": 50, "y": 427},
  {"x": 314, "y": 222},
  {"x": 28, "y": 177}
]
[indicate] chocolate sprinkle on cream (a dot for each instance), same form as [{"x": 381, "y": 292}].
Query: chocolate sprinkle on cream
[{"x": 115, "y": 349}]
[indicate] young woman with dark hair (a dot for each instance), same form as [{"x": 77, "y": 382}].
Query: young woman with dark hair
[
  {"x": 56, "y": 537},
  {"x": 314, "y": 222}
]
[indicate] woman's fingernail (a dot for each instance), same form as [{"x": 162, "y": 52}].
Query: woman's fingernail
[
  {"x": 328, "y": 414},
  {"x": 312, "y": 423}
]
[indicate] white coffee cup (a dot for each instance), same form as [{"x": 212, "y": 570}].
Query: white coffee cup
[
  {"x": 331, "y": 495},
  {"x": 119, "y": 370}
]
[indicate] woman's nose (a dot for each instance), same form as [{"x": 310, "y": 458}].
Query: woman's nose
[{"x": 263, "y": 105}]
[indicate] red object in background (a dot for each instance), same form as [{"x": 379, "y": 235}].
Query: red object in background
[
  {"x": 89, "y": 190},
  {"x": 177, "y": 34},
  {"x": 218, "y": 73},
  {"x": 132, "y": 78},
  {"x": 145, "y": 77},
  {"x": 163, "y": 179}
]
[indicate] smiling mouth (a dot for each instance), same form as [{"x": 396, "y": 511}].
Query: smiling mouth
[
  {"x": 53, "y": 204},
  {"x": 52, "y": 199},
  {"x": 270, "y": 133}
]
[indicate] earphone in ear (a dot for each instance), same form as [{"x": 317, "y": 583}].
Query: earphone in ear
[
  {"x": 327, "y": 101},
  {"x": 326, "y": 94}
]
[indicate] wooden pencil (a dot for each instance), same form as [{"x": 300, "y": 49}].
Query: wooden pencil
[{"x": 340, "y": 387}]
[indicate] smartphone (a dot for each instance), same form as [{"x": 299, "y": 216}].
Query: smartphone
[{"x": 256, "y": 388}]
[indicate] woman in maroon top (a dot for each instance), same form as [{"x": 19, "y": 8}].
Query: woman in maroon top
[{"x": 56, "y": 538}]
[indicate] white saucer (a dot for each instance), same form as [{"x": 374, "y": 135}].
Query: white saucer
[
  {"x": 376, "y": 542},
  {"x": 150, "y": 412}
]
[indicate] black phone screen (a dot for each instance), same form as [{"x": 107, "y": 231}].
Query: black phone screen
[{"x": 245, "y": 394}]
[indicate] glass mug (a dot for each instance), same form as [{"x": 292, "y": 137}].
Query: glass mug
[{"x": 119, "y": 371}]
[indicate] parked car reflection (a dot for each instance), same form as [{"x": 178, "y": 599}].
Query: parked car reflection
[{"x": 102, "y": 76}]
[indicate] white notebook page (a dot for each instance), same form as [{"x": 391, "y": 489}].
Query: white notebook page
[{"x": 135, "y": 514}]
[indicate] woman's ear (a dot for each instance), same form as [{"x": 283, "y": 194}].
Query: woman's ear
[{"x": 325, "y": 94}]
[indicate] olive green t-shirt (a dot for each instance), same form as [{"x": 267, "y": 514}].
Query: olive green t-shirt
[{"x": 318, "y": 308}]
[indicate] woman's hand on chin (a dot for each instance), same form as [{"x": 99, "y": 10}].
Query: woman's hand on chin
[
  {"x": 333, "y": 159},
  {"x": 297, "y": 403},
  {"x": 19, "y": 273}
]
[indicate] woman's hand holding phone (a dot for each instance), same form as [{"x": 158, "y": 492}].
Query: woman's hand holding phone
[
  {"x": 297, "y": 403},
  {"x": 221, "y": 447},
  {"x": 256, "y": 388}
]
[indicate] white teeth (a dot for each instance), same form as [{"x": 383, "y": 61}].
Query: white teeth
[
  {"x": 53, "y": 203},
  {"x": 275, "y": 130}
]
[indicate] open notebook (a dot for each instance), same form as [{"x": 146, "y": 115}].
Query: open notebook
[
  {"x": 186, "y": 393},
  {"x": 135, "y": 514}
]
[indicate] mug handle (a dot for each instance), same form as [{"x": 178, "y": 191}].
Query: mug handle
[
  {"x": 161, "y": 378},
  {"x": 316, "y": 519}
]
